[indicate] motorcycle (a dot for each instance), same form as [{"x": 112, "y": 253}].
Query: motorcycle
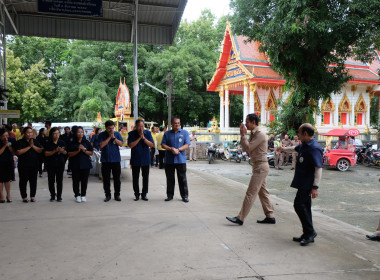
[
  {"x": 270, "y": 158},
  {"x": 361, "y": 155},
  {"x": 372, "y": 158},
  {"x": 211, "y": 152}
]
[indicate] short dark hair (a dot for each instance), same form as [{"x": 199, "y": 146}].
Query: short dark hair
[
  {"x": 48, "y": 122},
  {"x": 138, "y": 121},
  {"x": 162, "y": 128},
  {"x": 109, "y": 123},
  {"x": 97, "y": 129},
  {"x": 174, "y": 118},
  {"x": 253, "y": 118},
  {"x": 308, "y": 129},
  {"x": 2, "y": 131}
]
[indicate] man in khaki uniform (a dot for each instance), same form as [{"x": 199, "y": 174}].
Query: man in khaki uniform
[
  {"x": 257, "y": 146},
  {"x": 294, "y": 143},
  {"x": 193, "y": 146},
  {"x": 286, "y": 142}
]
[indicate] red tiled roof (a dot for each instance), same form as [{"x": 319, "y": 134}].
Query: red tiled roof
[
  {"x": 265, "y": 72},
  {"x": 249, "y": 49},
  {"x": 363, "y": 75}
]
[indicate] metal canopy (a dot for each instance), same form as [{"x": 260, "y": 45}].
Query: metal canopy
[{"x": 158, "y": 21}]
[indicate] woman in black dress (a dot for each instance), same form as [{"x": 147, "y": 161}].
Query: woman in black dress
[
  {"x": 80, "y": 152},
  {"x": 42, "y": 139},
  {"x": 6, "y": 164},
  {"x": 28, "y": 150},
  {"x": 95, "y": 139},
  {"x": 55, "y": 152}
]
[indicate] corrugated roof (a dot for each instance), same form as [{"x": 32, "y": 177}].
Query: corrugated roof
[{"x": 158, "y": 21}]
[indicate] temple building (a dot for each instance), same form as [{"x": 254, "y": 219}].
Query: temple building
[{"x": 242, "y": 69}]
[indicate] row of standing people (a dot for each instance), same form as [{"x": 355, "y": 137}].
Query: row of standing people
[
  {"x": 282, "y": 158},
  {"x": 78, "y": 149}
]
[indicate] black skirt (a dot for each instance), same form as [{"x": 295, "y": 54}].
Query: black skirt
[{"x": 6, "y": 171}]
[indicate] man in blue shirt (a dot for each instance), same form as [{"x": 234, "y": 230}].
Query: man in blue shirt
[
  {"x": 176, "y": 141},
  {"x": 110, "y": 141},
  {"x": 140, "y": 141},
  {"x": 306, "y": 179}
]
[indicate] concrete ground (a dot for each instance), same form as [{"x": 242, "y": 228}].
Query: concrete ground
[{"x": 172, "y": 240}]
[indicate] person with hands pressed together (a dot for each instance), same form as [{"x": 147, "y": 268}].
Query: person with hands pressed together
[
  {"x": 176, "y": 141},
  {"x": 307, "y": 176},
  {"x": 109, "y": 142},
  {"x": 257, "y": 146},
  {"x": 80, "y": 152},
  {"x": 140, "y": 141},
  {"x": 6, "y": 164},
  {"x": 55, "y": 158},
  {"x": 28, "y": 150}
]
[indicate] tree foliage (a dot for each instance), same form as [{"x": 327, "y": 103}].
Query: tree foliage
[{"x": 302, "y": 38}]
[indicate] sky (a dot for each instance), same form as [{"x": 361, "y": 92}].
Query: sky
[{"x": 194, "y": 7}]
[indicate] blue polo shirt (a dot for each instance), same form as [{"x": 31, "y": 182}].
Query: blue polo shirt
[
  {"x": 140, "y": 154},
  {"x": 110, "y": 152},
  {"x": 176, "y": 140},
  {"x": 310, "y": 155},
  {"x": 81, "y": 160}
]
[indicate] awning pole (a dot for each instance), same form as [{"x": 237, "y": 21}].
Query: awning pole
[{"x": 135, "y": 76}]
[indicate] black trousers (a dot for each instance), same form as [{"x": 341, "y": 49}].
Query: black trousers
[
  {"x": 80, "y": 176},
  {"x": 55, "y": 175},
  {"x": 153, "y": 159},
  {"x": 136, "y": 179},
  {"x": 40, "y": 162},
  {"x": 302, "y": 206},
  {"x": 115, "y": 167},
  {"x": 170, "y": 180},
  {"x": 28, "y": 174},
  {"x": 161, "y": 156}
]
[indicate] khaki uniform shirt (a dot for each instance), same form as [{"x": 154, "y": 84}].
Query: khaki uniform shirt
[
  {"x": 256, "y": 145},
  {"x": 295, "y": 143},
  {"x": 193, "y": 141},
  {"x": 286, "y": 143}
]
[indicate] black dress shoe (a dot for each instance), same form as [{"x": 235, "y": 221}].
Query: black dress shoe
[
  {"x": 25, "y": 200},
  {"x": 108, "y": 198},
  {"x": 307, "y": 240},
  {"x": 117, "y": 198},
  {"x": 298, "y": 239},
  {"x": 136, "y": 198},
  {"x": 185, "y": 199},
  {"x": 52, "y": 198},
  {"x": 32, "y": 200},
  {"x": 144, "y": 197},
  {"x": 2, "y": 201},
  {"x": 59, "y": 199},
  {"x": 9, "y": 200},
  {"x": 267, "y": 221},
  {"x": 373, "y": 237},
  {"x": 168, "y": 198},
  {"x": 235, "y": 220}
]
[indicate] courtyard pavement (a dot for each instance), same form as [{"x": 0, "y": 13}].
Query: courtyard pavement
[{"x": 172, "y": 240}]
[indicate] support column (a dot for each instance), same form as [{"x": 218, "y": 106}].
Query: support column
[
  {"x": 226, "y": 107},
  {"x": 245, "y": 100},
  {"x": 252, "y": 88},
  {"x": 352, "y": 114},
  {"x": 319, "y": 118},
  {"x": 221, "y": 114},
  {"x": 336, "y": 112}
]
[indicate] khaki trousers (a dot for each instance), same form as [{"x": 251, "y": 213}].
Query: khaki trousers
[
  {"x": 278, "y": 159},
  {"x": 193, "y": 153},
  {"x": 377, "y": 232},
  {"x": 257, "y": 186}
]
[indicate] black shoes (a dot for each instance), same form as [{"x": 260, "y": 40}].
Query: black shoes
[
  {"x": 52, "y": 198},
  {"x": 267, "y": 221},
  {"x": 235, "y": 220},
  {"x": 168, "y": 198},
  {"x": 144, "y": 197},
  {"x": 137, "y": 197},
  {"x": 59, "y": 199},
  {"x": 117, "y": 198},
  {"x": 373, "y": 237},
  {"x": 185, "y": 199},
  {"x": 298, "y": 239},
  {"x": 9, "y": 200},
  {"x": 108, "y": 198},
  {"x": 292, "y": 168},
  {"x": 2, "y": 201},
  {"x": 25, "y": 200},
  {"x": 307, "y": 240}
]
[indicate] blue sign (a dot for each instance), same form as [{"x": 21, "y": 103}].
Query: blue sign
[{"x": 92, "y": 8}]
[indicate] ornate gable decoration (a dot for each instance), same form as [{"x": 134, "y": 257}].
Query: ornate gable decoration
[
  {"x": 345, "y": 105},
  {"x": 271, "y": 103},
  {"x": 257, "y": 102},
  {"x": 360, "y": 105},
  {"x": 328, "y": 105}
]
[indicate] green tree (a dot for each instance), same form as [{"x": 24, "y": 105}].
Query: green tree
[{"x": 302, "y": 38}]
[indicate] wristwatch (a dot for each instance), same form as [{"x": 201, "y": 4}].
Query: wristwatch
[
  {"x": 315, "y": 187},
  {"x": 85, "y": 149}
]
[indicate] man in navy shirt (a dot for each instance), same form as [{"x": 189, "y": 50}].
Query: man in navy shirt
[
  {"x": 306, "y": 179},
  {"x": 176, "y": 141},
  {"x": 109, "y": 142},
  {"x": 140, "y": 141}
]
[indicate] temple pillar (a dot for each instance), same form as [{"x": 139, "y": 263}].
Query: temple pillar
[
  {"x": 336, "y": 112},
  {"x": 352, "y": 114},
  {"x": 245, "y": 101},
  {"x": 319, "y": 118},
  {"x": 221, "y": 115},
  {"x": 226, "y": 107},
  {"x": 252, "y": 89}
]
